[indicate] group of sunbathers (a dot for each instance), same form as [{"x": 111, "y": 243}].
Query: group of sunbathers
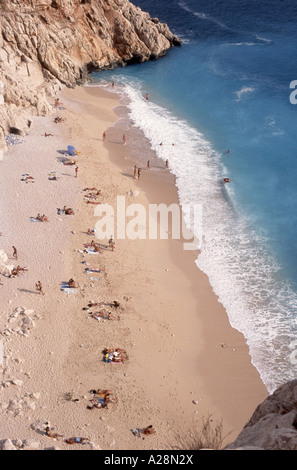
[
  {"x": 16, "y": 271},
  {"x": 102, "y": 398},
  {"x": 116, "y": 355}
]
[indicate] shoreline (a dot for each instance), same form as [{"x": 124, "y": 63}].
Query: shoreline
[
  {"x": 213, "y": 356},
  {"x": 175, "y": 352}
]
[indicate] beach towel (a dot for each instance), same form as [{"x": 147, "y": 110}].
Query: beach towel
[
  {"x": 92, "y": 252},
  {"x": 33, "y": 219},
  {"x": 68, "y": 290}
]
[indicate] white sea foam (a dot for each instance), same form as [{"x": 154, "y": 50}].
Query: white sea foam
[
  {"x": 266, "y": 41},
  {"x": 236, "y": 258},
  {"x": 243, "y": 91},
  {"x": 203, "y": 16},
  {"x": 239, "y": 44}
]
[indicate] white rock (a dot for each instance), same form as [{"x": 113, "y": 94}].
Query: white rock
[
  {"x": 7, "y": 445},
  {"x": 30, "y": 445},
  {"x": 17, "y": 382}
]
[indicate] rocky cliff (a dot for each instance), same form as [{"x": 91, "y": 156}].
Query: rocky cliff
[
  {"x": 273, "y": 425},
  {"x": 47, "y": 44}
]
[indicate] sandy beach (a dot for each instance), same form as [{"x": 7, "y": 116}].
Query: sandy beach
[{"x": 185, "y": 362}]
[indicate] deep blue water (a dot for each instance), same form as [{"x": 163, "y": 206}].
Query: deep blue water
[{"x": 228, "y": 87}]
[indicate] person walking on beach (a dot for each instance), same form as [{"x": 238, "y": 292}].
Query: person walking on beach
[
  {"x": 76, "y": 172},
  {"x": 39, "y": 288},
  {"x": 104, "y": 136},
  {"x": 138, "y": 173},
  {"x": 166, "y": 164},
  {"x": 15, "y": 253},
  {"x": 135, "y": 171},
  {"x": 148, "y": 165},
  {"x": 124, "y": 140}
]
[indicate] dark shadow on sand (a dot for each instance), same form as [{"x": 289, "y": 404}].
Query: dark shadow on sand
[
  {"x": 113, "y": 142},
  {"x": 27, "y": 291},
  {"x": 128, "y": 175}
]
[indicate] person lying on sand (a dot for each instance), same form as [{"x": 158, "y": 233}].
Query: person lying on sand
[
  {"x": 91, "y": 196},
  {"x": 94, "y": 304},
  {"x": 69, "y": 162},
  {"x": 72, "y": 284},
  {"x": 105, "y": 396},
  {"x": 96, "y": 247},
  {"x": 58, "y": 102},
  {"x": 76, "y": 440},
  {"x": 28, "y": 179},
  {"x": 16, "y": 271},
  {"x": 104, "y": 316},
  {"x": 68, "y": 211},
  {"x": 48, "y": 135},
  {"x": 92, "y": 202},
  {"x": 42, "y": 218},
  {"x": 58, "y": 120},
  {"x": 90, "y": 232},
  {"x": 50, "y": 434},
  {"x": 117, "y": 355},
  {"x": 149, "y": 430}
]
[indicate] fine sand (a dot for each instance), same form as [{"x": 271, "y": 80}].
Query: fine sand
[{"x": 185, "y": 362}]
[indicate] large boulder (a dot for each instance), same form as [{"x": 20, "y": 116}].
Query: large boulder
[{"x": 273, "y": 425}]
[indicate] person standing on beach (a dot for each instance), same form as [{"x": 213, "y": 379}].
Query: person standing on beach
[
  {"x": 124, "y": 140},
  {"x": 148, "y": 165},
  {"x": 111, "y": 243},
  {"x": 138, "y": 173},
  {"x": 15, "y": 252},
  {"x": 166, "y": 164},
  {"x": 135, "y": 171},
  {"x": 76, "y": 172},
  {"x": 104, "y": 136}
]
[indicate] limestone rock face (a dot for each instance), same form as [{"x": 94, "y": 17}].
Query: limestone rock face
[
  {"x": 273, "y": 425},
  {"x": 48, "y": 44}
]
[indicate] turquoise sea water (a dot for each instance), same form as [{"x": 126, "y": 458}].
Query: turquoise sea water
[{"x": 228, "y": 88}]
